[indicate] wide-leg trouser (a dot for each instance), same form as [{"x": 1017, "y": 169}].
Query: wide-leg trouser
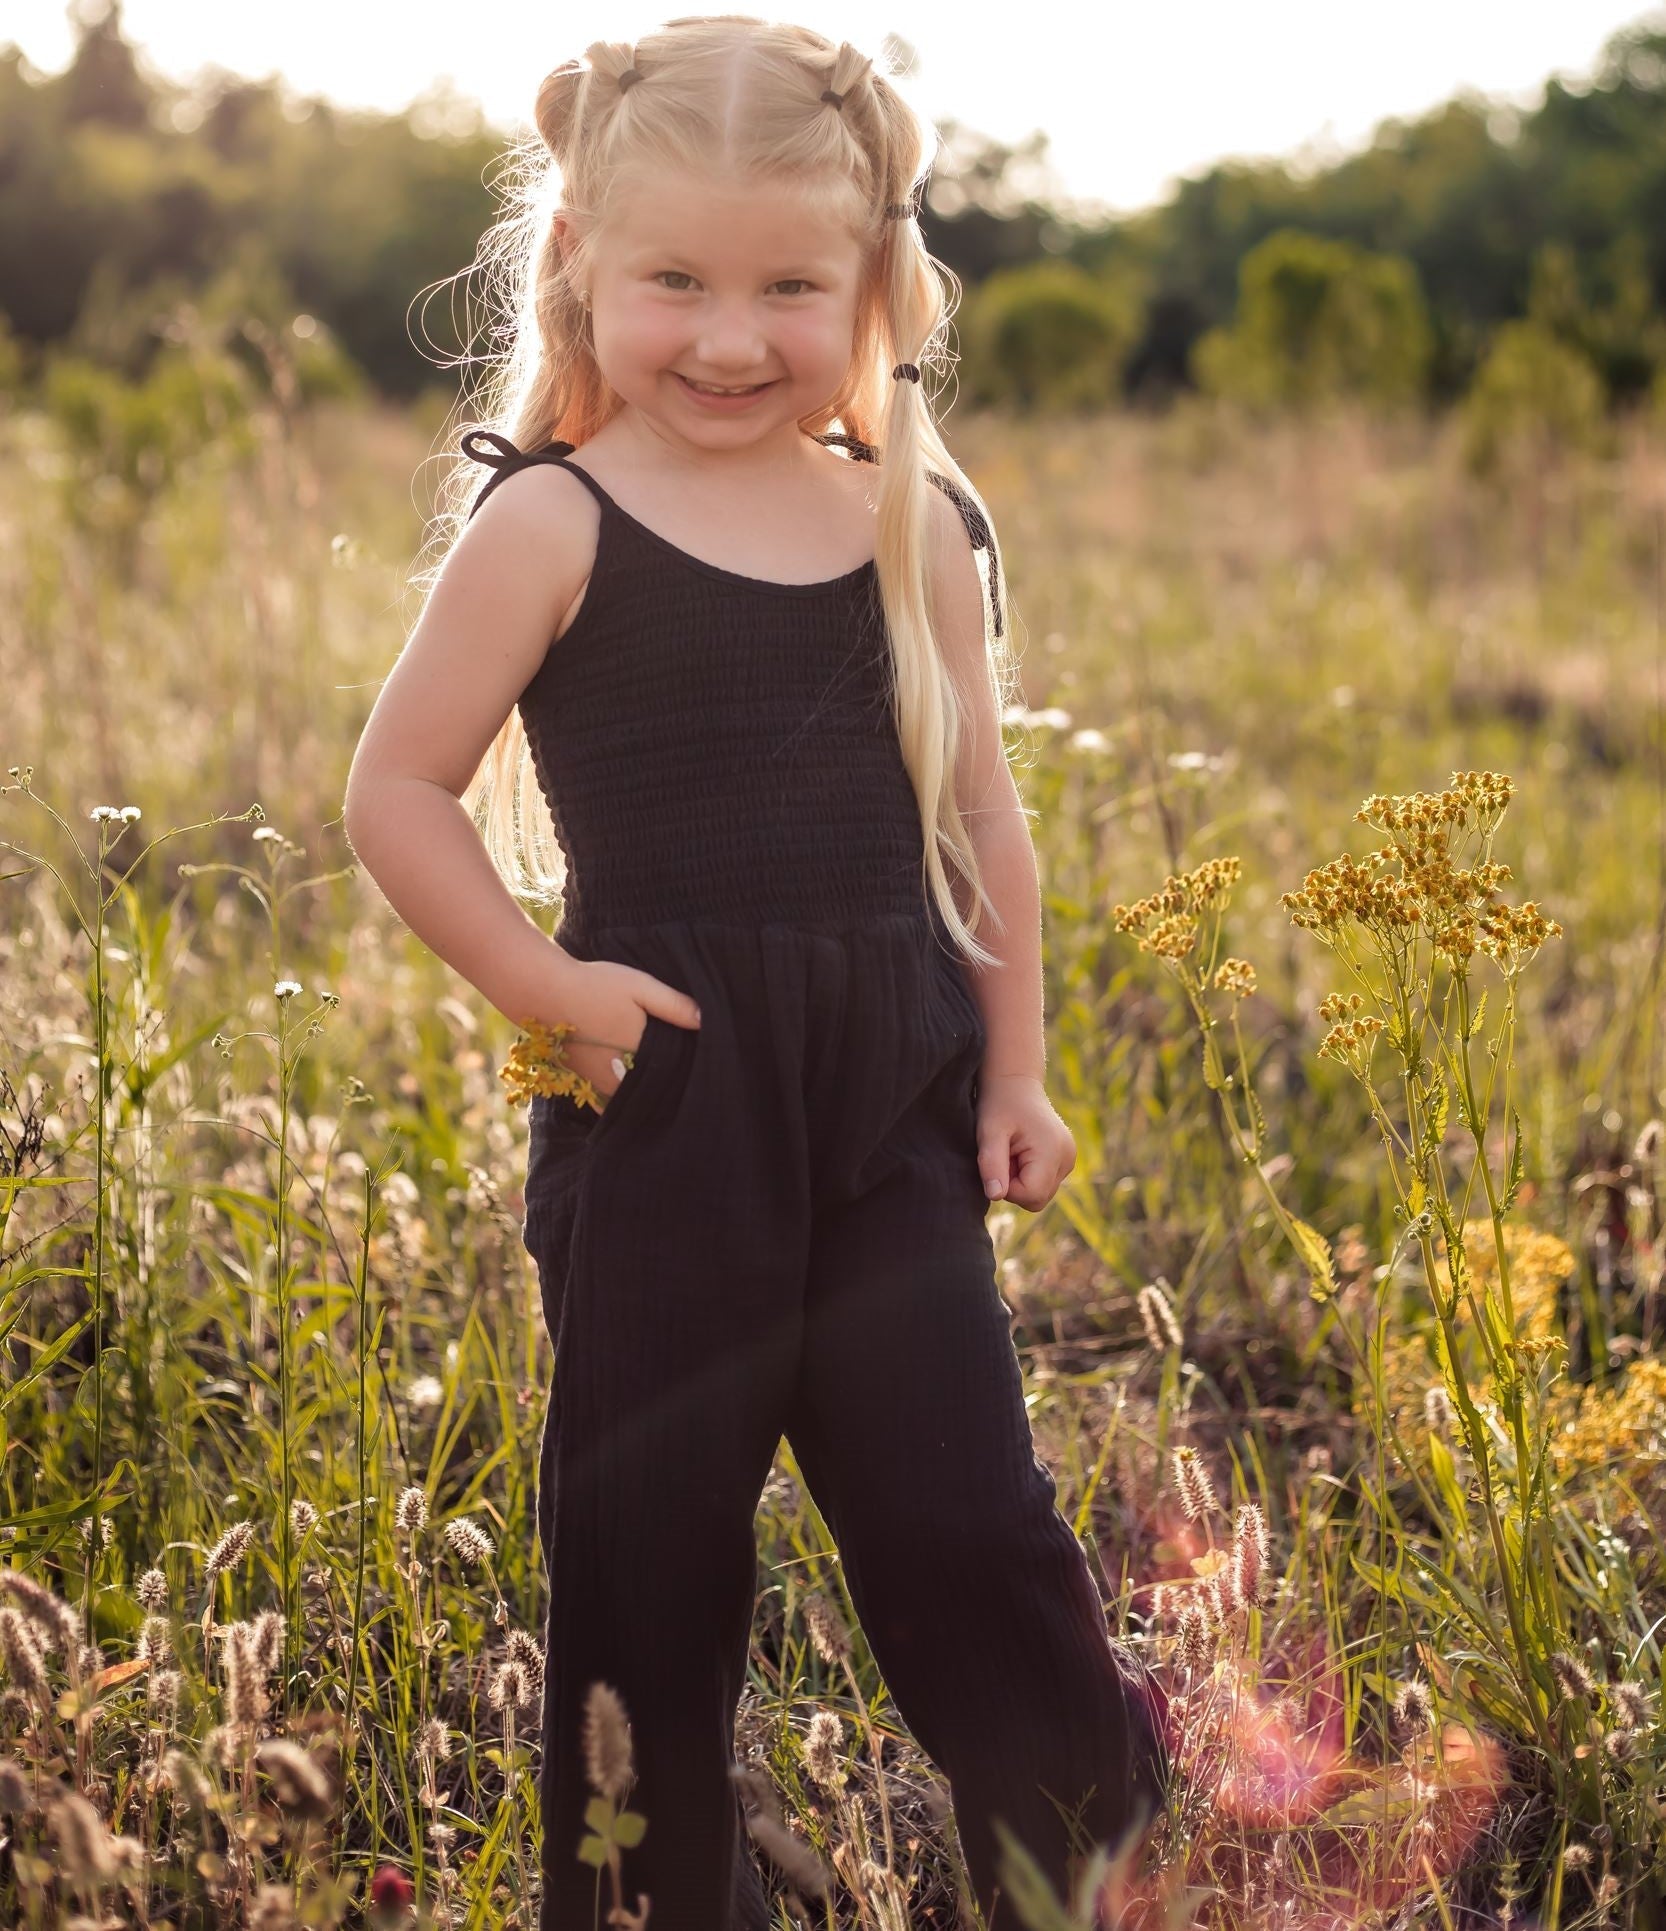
[{"x": 776, "y": 1225}]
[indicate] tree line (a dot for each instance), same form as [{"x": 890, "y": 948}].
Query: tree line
[{"x": 1498, "y": 257}]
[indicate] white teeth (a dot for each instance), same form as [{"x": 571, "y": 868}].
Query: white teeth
[{"x": 706, "y": 389}]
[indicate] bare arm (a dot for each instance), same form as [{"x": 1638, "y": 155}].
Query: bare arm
[{"x": 481, "y": 637}]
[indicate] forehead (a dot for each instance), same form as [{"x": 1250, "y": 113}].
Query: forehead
[{"x": 726, "y": 222}]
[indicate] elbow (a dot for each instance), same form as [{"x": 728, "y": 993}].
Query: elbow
[{"x": 358, "y": 809}]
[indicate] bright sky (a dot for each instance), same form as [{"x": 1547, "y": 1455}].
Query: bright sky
[{"x": 1131, "y": 96}]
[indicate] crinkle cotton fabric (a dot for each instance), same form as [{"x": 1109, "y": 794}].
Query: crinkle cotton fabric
[{"x": 776, "y": 1226}]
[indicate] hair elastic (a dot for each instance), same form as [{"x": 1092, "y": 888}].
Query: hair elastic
[
  {"x": 908, "y": 369},
  {"x": 628, "y": 79},
  {"x": 838, "y": 100},
  {"x": 899, "y": 210}
]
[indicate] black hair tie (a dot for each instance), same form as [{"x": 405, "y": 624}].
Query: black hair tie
[
  {"x": 838, "y": 100},
  {"x": 909, "y": 370}
]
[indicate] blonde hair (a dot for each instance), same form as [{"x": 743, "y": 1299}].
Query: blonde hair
[{"x": 728, "y": 95}]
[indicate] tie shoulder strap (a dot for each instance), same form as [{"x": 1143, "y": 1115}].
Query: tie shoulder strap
[
  {"x": 502, "y": 457},
  {"x": 977, "y": 527}
]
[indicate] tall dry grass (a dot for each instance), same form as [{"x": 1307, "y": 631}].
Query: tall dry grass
[{"x": 271, "y": 1371}]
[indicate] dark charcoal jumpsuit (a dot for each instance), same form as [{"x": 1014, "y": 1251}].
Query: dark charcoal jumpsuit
[{"x": 776, "y": 1225}]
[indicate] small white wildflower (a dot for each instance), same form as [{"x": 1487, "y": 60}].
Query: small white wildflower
[
  {"x": 286, "y": 989},
  {"x": 129, "y": 813},
  {"x": 1089, "y": 740},
  {"x": 424, "y": 1391},
  {"x": 102, "y": 814}
]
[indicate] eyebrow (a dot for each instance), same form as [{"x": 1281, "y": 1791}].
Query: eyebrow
[{"x": 641, "y": 253}]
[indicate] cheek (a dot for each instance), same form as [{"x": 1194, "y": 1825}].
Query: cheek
[
  {"x": 817, "y": 342},
  {"x": 649, "y": 338}
]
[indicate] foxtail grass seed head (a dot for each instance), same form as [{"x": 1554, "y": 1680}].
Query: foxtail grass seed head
[
  {"x": 151, "y": 1590},
  {"x": 1576, "y": 1857},
  {"x": 24, "y": 1660},
  {"x": 155, "y": 1640},
  {"x": 822, "y": 1744},
  {"x": 1437, "y": 1409},
  {"x": 1162, "y": 1330},
  {"x": 1249, "y": 1554},
  {"x": 410, "y": 1512},
  {"x": 1195, "y": 1646},
  {"x": 58, "y": 1625},
  {"x": 1571, "y": 1674},
  {"x": 162, "y": 1699},
  {"x": 1191, "y": 1482},
  {"x": 17, "y": 1799},
  {"x": 240, "y": 1658},
  {"x": 509, "y": 1687},
  {"x": 1620, "y": 1746},
  {"x": 1631, "y": 1704},
  {"x": 229, "y": 1550},
  {"x": 183, "y": 1775},
  {"x": 272, "y": 1909},
  {"x": 303, "y": 1518},
  {"x": 1413, "y": 1706},
  {"x": 266, "y": 1634},
  {"x": 86, "y": 1852},
  {"x": 796, "y": 1861},
  {"x": 521, "y": 1649},
  {"x": 471, "y": 1545},
  {"x": 607, "y": 1742},
  {"x": 299, "y": 1783},
  {"x": 827, "y": 1629}
]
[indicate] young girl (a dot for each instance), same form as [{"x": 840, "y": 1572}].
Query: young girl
[{"x": 749, "y": 657}]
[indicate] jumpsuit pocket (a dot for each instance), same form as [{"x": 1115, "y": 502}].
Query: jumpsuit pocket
[
  {"x": 562, "y": 1132},
  {"x": 562, "y": 1136}
]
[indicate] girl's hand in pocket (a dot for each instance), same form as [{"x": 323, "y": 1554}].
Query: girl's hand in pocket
[{"x": 607, "y": 1005}]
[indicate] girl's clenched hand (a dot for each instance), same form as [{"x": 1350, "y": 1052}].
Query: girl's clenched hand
[{"x": 1024, "y": 1148}]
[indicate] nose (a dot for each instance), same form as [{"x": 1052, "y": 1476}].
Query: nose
[{"x": 729, "y": 339}]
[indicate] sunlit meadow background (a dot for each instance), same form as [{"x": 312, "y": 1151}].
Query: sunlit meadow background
[
  {"x": 305, "y": 1294},
  {"x": 1385, "y": 1525}
]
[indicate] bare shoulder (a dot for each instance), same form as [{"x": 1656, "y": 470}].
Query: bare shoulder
[
  {"x": 545, "y": 502},
  {"x": 544, "y": 524}
]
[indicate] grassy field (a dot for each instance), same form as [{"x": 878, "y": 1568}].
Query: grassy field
[{"x": 1345, "y": 1365}]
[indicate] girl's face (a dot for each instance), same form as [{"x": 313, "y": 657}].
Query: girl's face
[{"x": 735, "y": 285}]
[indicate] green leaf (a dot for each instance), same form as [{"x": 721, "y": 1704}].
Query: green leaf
[
  {"x": 1315, "y": 1252},
  {"x": 628, "y": 1828},
  {"x": 1516, "y": 1167}
]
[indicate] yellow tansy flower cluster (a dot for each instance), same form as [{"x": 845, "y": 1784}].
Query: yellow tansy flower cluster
[
  {"x": 1168, "y": 918},
  {"x": 537, "y": 1064},
  {"x": 1235, "y": 976},
  {"x": 1452, "y": 905},
  {"x": 1592, "y": 1431}
]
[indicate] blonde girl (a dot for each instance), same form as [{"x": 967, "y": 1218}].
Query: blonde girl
[{"x": 713, "y": 662}]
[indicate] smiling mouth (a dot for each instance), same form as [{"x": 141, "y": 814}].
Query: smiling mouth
[{"x": 711, "y": 389}]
